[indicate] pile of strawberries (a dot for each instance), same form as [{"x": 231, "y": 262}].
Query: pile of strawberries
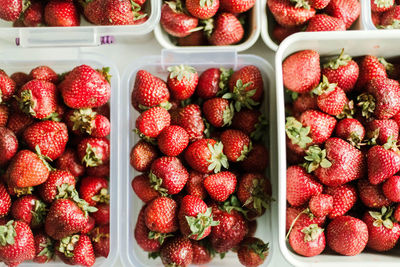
[
  {"x": 203, "y": 164},
  {"x": 67, "y": 13},
  {"x": 342, "y": 134},
  {"x": 55, "y": 162},
  {"x": 206, "y": 22},
  {"x": 385, "y": 14},
  {"x": 294, "y": 16}
]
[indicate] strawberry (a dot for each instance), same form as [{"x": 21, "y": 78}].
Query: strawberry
[
  {"x": 344, "y": 198},
  {"x": 300, "y": 217},
  {"x": 322, "y": 22},
  {"x": 308, "y": 241},
  {"x": 301, "y": 186},
  {"x": 382, "y": 164},
  {"x": 149, "y": 91},
  {"x": 151, "y": 122},
  {"x": 122, "y": 12},
  {"x": 289, "y": 15},
  {"x": 389, "y": 19},
  {"x": 381, "y": 6},
  {"x": 84, "y": 87},
  {"x": 213, "y": 82},
  {"x": 182, "y": 81},
  {"x": 7, "y": 87},
  {"x": 102, "y": 215},
  {"x": 202, "y": 9},
  {"x": 5, "y": 201},
  {"x": 297, "y": 139},
  {"x": 201, "y": 253},
  {"x": 319, "y": 4},
  {"x": 27, "y": 169},
  {"x": 251, "y": 122},
  {"x": 280, "y": 33},
  {"x": 350, "y": 130},
  {"x": 331, "y": 98},
  {"x": 321, "y": 125},
  {"x": 382, "y": 130},
  {"x": 226, "y": 30},
  {"x": 236, "y": 144},
  {"x": 30, "y": 210},
  {"x": 252, "y": 252},
  {"x": 87, "y": 121},
  {"x": 94, "y": 151},
  {"x": 160, "y": 215},
  {"x": 43, "y": 73},
  {"x": 246, "y": 87},
  {"x": 376, "y": 18},
  {"x": 44, "y": 248},
  {"x": 206, "y": 156},
  {"x": 370, "y": 68},
  {"x": 383, "y": 232},
  {"x": 18, "y": 122},
  {"x": 173, "y": 140},
  {"x": 147, "y": 240},
  {"x": 17, "y": 243},
  {"x": 61, "y": 13},
  {"x": 142, "y": 187},
  {"x": 237, "y": 6},
  {"x": 50, "y": 136},
  {"x": 76, "y": 250},
  {"x": 89, "y": 226},
  {"x": 142, "y": 156},
  {"x": 391, "y": 188},
  {"x": 94, "y": 190},
  {"x": 38, "y": 98},
  {"x": 257, "y": 159},
  {"x": 346, "y": 10},
  {"x": 174, "y": 21},
  {"x": 177, "y": 251},
  {"x": 372, "y": 196},
  {"x": 301, "y": 71},
  {"x": 343, "y": 71},
  {"x": 194, "y": 185},
  {"x": 190, "y": 119},
  {"x": 396, "y": 214},
  {"x": 20, "y": 78},
  {"x": 34, "y": 15},
  {"x": 321, "y": 205},
  {"x": 195, "y": 218},
  {"x": 197, "y": 38},
  {"x": 8, "y": 145},
  {"x": 218, "y": 112},
  {"x": 10, "y": 10},
  {"x": 69, "y": 161},
  {"x": 100, "y": 237},
  {"x": 4, "y": 113},
  {"x": 94, "y": 11},
  {"x": 220, "y": 185}
]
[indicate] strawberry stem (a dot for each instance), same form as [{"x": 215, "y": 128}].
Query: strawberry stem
[
  {"x": 316, "y": 157},
  {"x": 218, "y": 158},
  {"x": 305, "y": 211},
  {"x": 7, "y": 234},
  {"x": 83, "y": 120},
  {"x": 312, "y": 232},
  {"x": 67, "y": 245},
  {"x": 341, "y": 60},
  {"x": 199, "y": 224},
  {"x": 297, "y": 133}
]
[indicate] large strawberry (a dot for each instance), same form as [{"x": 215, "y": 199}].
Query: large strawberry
[
  {"x": 29, "y": 209},
  {"x": 8, "y": 145},
  {"x": 142, "y": 156},
  {"x": 94, "y": 151},
  {"x": 174, "y": 21},
  {"x": 308, "y": 241},
  {"x": 346, "y": 10},
  {"x": 226, "y": 30},
  {"x": 236, "y": 144},
  {"x": 213, "y": 82},
  {"x": 76, "y": 250},
  {"x": 85, "y": 87},
  {"x": 344, "y": 198},
  {"x": 61, "y": 13},
  {"x": 160, "y": 215},
  {"x": 151, "y": 122},
  {"x": 94, "y": 190},
  {"x": 218, "y": 112},
  {"x": 190, "y": 119},
  {"x": 288, "y": 14},
  {"x": 58, "y": 184},
  {"x": 202, "y": 9},
  {"x": 147, "y": 240},
  {"x": 322, "y": 22},
  {"x": 321, "y": 125},
  {"x": 237, "y": 6},
  {"x": 220, "y": 185},
  {"x": 173, "y": 140},
  {"x": 382, "y": 163},
  {"x": 142, "y": 187},
  {"x": 177, "y": 251}
]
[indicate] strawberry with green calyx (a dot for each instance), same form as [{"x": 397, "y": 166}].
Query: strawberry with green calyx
[
  {"x": 367, "y": 104},
  {"x": 297, "y": 133},
  {"x": 175, "y": 21},
  {"x": 308, "y": 241},
  {"x": 225, "y": 29},
  {"x": 202, "y": 9},
  {"x": 218, "y": 111},
  {"x": 351, "y": 130},
  {"x": 87, "y": 121},
  {"x": 293, "y": 224},
  {"x": 348, "y": 110},
  {"x": 237, "y": 145},
  {"x": 392, "y": 70},
  {"x": 93, "y": 151},
  {"x": 44, "y": 248},
  {"x": 242, "y": 96},
  {"x": 76, "y": 250},
  {"x": 100, "y": 237},
  {"x": 252, "y": 252},
  {"x": 57, "y": 185},
  {"x": 143, "y": 188},
  {"x": 182, "y": 81},
  {"x": 213, "y": 82},
  {"x": 381, "y": 5},
  {"x": 379, "y": 131},
  {"x": 94, "y": 190},
  {"x": 315, "y": 157},
  {"x": 30, "y": 210}
]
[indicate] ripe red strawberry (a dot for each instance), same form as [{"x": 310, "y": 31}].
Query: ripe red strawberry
[
  {"x": 376, "y": 18},
  {"x": 195, "y": 218},
  {"x": 27, "y": 169},
  {"x": 89, "y": 226},
  {"x": 61, "y": 13},
  {"x": 142, "y": 156},
  {"x": 57, "y": 184},
  {"x": 350, "y": 130},
  {"x": 370, "y": 68},
  {"x": 99, "y": 171},
  {"x": 301, "y": 71},
  {"x": 87, "y": 121},
  {"x": 4, "y": 113},
  {"x": 190, "y": 119},
  {"x": 76, "y": 250},
  {"x": 237, "y": 6},
  {"x": 10, "y": 10},
  {"x": 280, "y": 33},
  {"x": 347, "y": 235},
  {"x": 30, "y": 210},
  {"x": 201, "y": 253},
  {"x": 346, "y": 10},
  {"x": 321, "y": 205},
  {"x": 391, "y": 188},
  {"x": 226, "y": 30},
  {"x": 257, "y": 159},
  {"x": 18, "y": 122},
  {"x": 231, "y": 230},
  {"x": 122, "y": 12},
  {"x": 84, "y": 87},
  {"x": 69, "y": 161},
  {"x": 252, "y": 252},
  {"x": 8, "y": 145},
  {"x": 172, "y": 140},
  {"x": 288, "y": 15},
  {"x": 175, "y": 22},
  {"x": 94, "y": 11},
  {"x": 194, "y": 185},
  {"x": 100, "y": 237},
  {"x": 17, "y": 244},
  {"x": 372, "y": 195},
  {"x": 297, "y": 140},
  {"x": 197, "y": 38},
  {"x": 206, "y": 156},
  {"x": 382, "y": 130},
  {"x": 44, "y": 73},
  {"x": 331, "y": 98},
  {"x": 202, "y": 9},
  {"x": 94, "y": 151},
  {"x": 319, "y": 4},
  {"x": 142, "y": 187},
  {"x": 20, "y": 78},
  {"x": 381, "y": 6},
  {"x": 220, "y": 185},
  {"x": 383, "y": 232},
  {"x": 236, "y": 144},
  {"x": 212, "y": 82},
  {"x": 218, "y": 112},
  {"x": 321, "y": 125},
  {"x": 177, "y": 251},
  {"x": 304, "y": 102},
  {"x": 308, "y": 241},
  {"x": 396, "y": 214},
  {"x": 322, "y": 22},
  {"x": 34, "y": 15},
  {"x": 94, "y": 190},
  {"x": 382, "y": 164},
  {"x": 161, "y": 214},
  {"x": 344, "y": 198},
  {"x": 303, "y": 218},
  {"x": 343, "y": 71},
  {"x": 5, "y": 201},
  {"x": 38, "y": 98},
  {"x": 300, "y": 186},
  {"x": 147, "y": 240},
  {"x": 50, "y": 136},
  {"x": 389, "y": 18},
  {"x": 151, "y": 122},
  {"x": 7, "y": 87},
  {"x": 44, "y": 248},
  {"x": 250, "y": 122},
  {"x": 246, "y": 87},
  {"x": 182, "y": 81},
  {"x": 102, "y": 215}
]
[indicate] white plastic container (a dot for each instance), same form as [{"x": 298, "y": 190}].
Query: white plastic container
[
  {"x": 131, "y": 253},
  {"x": 378, "y": 43},
  {"x": 85, "y": 35},
  {"x": 366, "y": 16},
  {"x": 255, "y": 26},
  {"x": 62, "y": 60},
  {"x": 268, "y": 22}
]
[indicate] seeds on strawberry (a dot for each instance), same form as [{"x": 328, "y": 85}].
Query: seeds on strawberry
[
  {"x": 289, "y": 15},
  {"x": 7, "y": 87},
  {"x": 174, "y": 21},
  {"x": 29, "y": 209},
  {"x": 76, "y": 250},
  {"x": 213, "y": 82},
  {"x": 308, "y": 241},
  {"x": 151, "y": 122},
  {"x": 237, "y": 145},
  {"x": 161, "y": 215},
  {"x": 226, "y": 30},
  {"x": 372, "y": 196},
  {"x": 173, "y": 140},
  {"x": 253, "y": 251},
  {"x": 61, "y": 13},
  {"x": 142, "y": 187},
  {"x": 44, "y": 73},
  {"x": 177, "y": 251},
  {"x": 8, "y": 145},
  {"x": 142, "y": 156},
  {"x": 190, "y": 119},
  {"x": 218, "y": 112},
  {"x": 344, "y": 198},
  {"x": 44, "y": 248},
  {"x": 94, "y": 151},
  {"x": 220, "y": 185},
  {"x": 69, "y": 161}
]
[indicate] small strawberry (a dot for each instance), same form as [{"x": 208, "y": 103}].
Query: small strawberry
[
  {"x": 87, "y": 121},
  {"x": 122, "y": 12},
  {"x": 382, "y": 130},
  {"x": 142, "y": 156},
  {"x": 100, "y": 237},
  {"x": 344, "y": 198},
  {"x": 7, "y": 87},
  {"x": 301, "y": 71},
  {"x": 147, "y": 240},
  {"x": 289, "y": 15},
  {"x": 174, "y": 20},
  {"x": 370, "y": 68},
  {"x": 321, "y": 125},
  {"x": 218, "y": 112},
  {"x": 236, "y": 144},
  {"x": 346, "y": 10},
  {"x": 30, "y": 210},
  {"x": 182, "y": 81},
  {"x": 226, "y": 29},
  {"x": 252, "y": 252},
  {"x": 151, "y": 122},
  {"x": 381, "y": 6},
  {"x": 8, "y": 145},
  {"x": 382, "y": 163},
  {"x": 350, "y": 130},
  {"x": 213, "y": 82},
  {"x": 160, "y": 215},
  {"x": 237, "y": 6},
  {"x": 321, "y": 205},
  {"x": 43, "y": 73},
  {"x": 10, "y": 10},
  {"x": 85, "y": 87},
  {"x": 34, "y": 15},
  {"x": 194, "y": 185},
  {"x": 76, "y": 250},
  {"x": 94, "y": 190},
  {"x": 69, "y": 161},
  {"x": 177, "y": 251},
  {"x": 94, "y": 151},
  {"x": 372, "y": 196},
  {"x": 220, "y": 185},
  {"x": 173, "y": 140},
  {"x": 202, "y": 9},
  {"x": 44, "y": 248},
  {"x": 61, "y": 13},
  {"x": 142, "y": 187},
  {"x": 391, "y": 188},
  {"x": 300, "y": 217},
  {"x": 102, "y": 215},
  {"x": 280, "y": 33},
  {"x": 308, "y": 241},
  {"x": 201, "y": 253},
  {"x": 322, "y": 22},
  {"x": 190, "y": 119}
]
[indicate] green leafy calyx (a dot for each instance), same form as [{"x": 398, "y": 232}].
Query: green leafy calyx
[
  {"x": 297, "y": 133},
  {"x": 199, "y": 224},
  {"x": 316, "y": 157},
  {"x": 241, "y": 96},
  {"x": 218, "y": 159},
  {"x": 311, "y": 232}
]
